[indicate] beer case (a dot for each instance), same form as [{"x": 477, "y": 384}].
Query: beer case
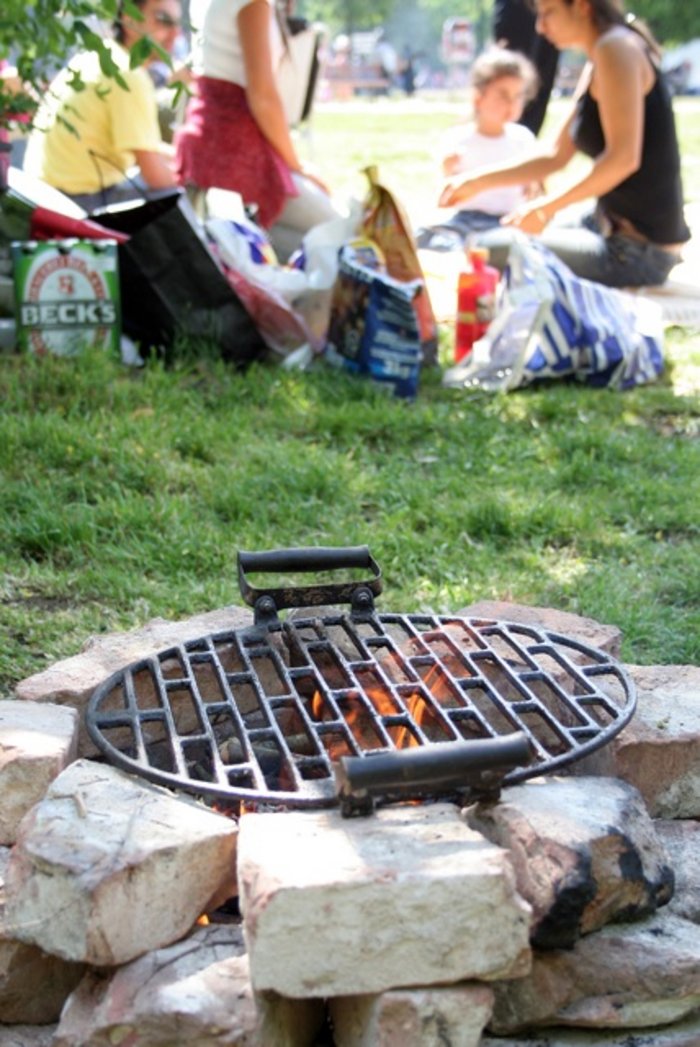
[{"x": 66, "y": 296}]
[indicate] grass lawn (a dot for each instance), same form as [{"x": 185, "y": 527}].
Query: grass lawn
[{"x": 125, "y": 495}]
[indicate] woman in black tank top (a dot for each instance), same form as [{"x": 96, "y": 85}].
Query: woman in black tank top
[{"x": 622, "y": 118}]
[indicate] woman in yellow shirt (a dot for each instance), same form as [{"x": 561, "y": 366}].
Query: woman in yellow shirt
[{"x": 87, "y": 138}]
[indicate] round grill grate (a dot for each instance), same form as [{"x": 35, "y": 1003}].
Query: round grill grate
[{"x": 264, "y": 715}]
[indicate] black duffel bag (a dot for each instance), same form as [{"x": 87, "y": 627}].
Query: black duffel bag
[{"x": 171, "y": 284}]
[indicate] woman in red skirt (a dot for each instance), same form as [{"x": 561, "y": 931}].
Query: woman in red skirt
[{"x": 235, "y": 134}]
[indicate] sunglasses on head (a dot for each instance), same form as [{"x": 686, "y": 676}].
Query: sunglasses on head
[{"x": 163, "y": 18}]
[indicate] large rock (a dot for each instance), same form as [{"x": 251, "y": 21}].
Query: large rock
[
  {"x": 681, "y": 1034},
  {"x": 606, "y": 638},
  {"x": 681, "y": 840},
  {"x": 72, "y": 681},
  {"x": 454, "y": 1015},
  {"x": 36, "y": 744},
  {"x": 625, "y": 976},
  {"x": 195, "y": 993},
  {"x": 659, "y": 749},
  {"x": 33, "y": 985},
  {"x": 107, "y": 867},
  {"x": 584, "y": 851},
  {"x": 410, "y": 896},
  {"x": 27, "y": 1036}
]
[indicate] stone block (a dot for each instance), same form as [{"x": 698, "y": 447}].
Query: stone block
[
  {"x": 72, "y": 681},
  {"x": 681, "y": 840},
  {"x": 409, "y": 896},
  {"x": 659, "y": 750},
  {"x": 681, "y": 1034},
  {"x": 606, "y": 638},
  {"x": 27, "y": 1035},
  {"x": 454, "y": 1015},
  {"x": 584, "y": 850},
  {"x": 107, "y": 867},
  {"x": 625, "y": 976},
  {"x": 36, "y": 744},
  {"x": 33, "y": 985},
  {"x": 195, "y": 993}
]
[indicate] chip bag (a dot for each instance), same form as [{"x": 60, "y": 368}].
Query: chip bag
[
  {"x": 374, "y": 327},
  {"x": 385, "y": 222}
]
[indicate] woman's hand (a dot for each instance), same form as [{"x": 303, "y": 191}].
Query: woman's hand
[
  {"x": 457, "y": 190},
  {"x": 530, "y": 218},
  {"x": 311, "y": 175}
]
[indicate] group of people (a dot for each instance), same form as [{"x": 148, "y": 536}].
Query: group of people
[
  {"x": 91, "y": 130},
  {"x": 496, "y": 171},
  {"x": 621, "y": 117}
]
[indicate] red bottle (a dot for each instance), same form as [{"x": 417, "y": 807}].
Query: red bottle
[{"x": 476, "y": 291}]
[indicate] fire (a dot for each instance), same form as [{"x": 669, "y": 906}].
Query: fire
[{"x": 364, "y": 715}]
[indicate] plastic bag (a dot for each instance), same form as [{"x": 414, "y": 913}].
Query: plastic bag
[
  {"x": 551, "y": 324},
  {"x": 263, "y": 288},
  {"x": 318, "y": 260}
]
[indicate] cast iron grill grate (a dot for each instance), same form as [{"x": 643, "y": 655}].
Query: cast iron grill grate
[{"x": 269, "y": 714}]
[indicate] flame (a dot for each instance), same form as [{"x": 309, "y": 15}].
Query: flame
[{"x": 362, "y": 721}]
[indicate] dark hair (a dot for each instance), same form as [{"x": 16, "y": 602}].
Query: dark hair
[
  {"x": 498, "y": 62},
  {"x": 117, "y": 23},
  {"x": 612, "y": 12}
]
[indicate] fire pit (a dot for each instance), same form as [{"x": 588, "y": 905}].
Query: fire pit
[{"x": 347, "y": 705}]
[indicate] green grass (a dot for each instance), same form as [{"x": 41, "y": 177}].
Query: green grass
[{"x": 126, "y": 495}]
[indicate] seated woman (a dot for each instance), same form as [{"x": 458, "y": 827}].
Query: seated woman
[
  {"x": 622, "y": 118},
  {"x": 235, "y": 135},
  {"x": 502, "y": 81},
  {"x": 92, "y": 129}
]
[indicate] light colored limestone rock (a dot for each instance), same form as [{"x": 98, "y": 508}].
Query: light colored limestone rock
[
  {"x": 27, "y": 1035},
  {"x": 607, "y": 638},
  {"x": 681, "y": 840},
  {"x": 624, "y": 976},
  {"x": 681, "y": 1034},
  {"x": 33, "y": 985},
  {"x": 72, "y": 681},
  {"x": 584, "y": 850},
  {"x": 454, "y": 1015},
  {"x": 36, "y": 743},
  {"x": 409, "y": 896},
  {"x": 195, "y": 993},
  {"x": 659, "y": 750},
  {"x": 107, "y": 867}
]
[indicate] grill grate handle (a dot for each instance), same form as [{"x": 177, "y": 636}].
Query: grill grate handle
[
  {"x": 267, "y": 601},
  {"x": 471, "y": 768}
]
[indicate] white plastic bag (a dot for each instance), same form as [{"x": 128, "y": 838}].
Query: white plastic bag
[{"x": 318, "y": 260}]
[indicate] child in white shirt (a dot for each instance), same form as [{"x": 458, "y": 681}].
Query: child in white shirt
[{"x": 502, "y": 82}]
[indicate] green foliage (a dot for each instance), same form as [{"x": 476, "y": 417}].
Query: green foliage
[
  {"x": 348, "y": 15},
  {"x": 671, "y": 20},
  {"x": 418, "y": 23},
  {"x": 38, "y": 39}
]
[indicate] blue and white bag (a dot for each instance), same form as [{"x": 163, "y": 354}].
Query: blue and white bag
[{"x": 551, "y": 324}]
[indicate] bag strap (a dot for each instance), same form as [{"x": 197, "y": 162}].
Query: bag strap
[{"x": 95, "y": 156}]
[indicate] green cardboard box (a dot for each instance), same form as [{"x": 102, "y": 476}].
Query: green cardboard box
[{"x": 66, "y": 295}]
